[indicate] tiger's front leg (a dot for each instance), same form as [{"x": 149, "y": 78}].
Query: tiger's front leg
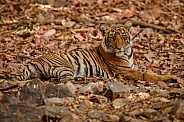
[{"x": 132, "y": 74}]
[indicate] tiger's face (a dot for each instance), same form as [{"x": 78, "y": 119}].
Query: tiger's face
[{"x": 117, "y": 40}]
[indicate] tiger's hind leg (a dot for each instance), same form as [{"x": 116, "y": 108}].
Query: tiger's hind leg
[{"x": 133, "y": 74}]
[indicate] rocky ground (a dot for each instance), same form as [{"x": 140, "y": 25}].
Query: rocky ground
[{"x": 29, "y": 30}]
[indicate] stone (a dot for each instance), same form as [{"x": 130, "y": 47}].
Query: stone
[
  {"x": 98, "y": 98},
  {"x": 177, "y": 93},
  {"x": 161, "y": 118},
  {"x": 54, "y": 90},
  {"x": 124, "y": 118},
  {"x": 85, "y": 105},
  {"x": 149, "y": 113},
  {"x": 53, "y": 101},
  {"x": 32, "y": 92},
  {"x": 136, "y": 112},
  {"x": 136, "y": 120},
  {"x": 20, "y": 113},
  {"x": 110, "y": 118},
  {"x": 117, "y": 89},
  {"x": 72, "y": 118},
  {"x": 178, "y": 109},
  {"x": 90, "y": 88},
  {"x": 56, "y": 111},
  {"x": 71, "y": 87},
  {"x": 119, "y": 103},
  {"x": 95, "y": 114},
  {"x": 162, "y": 85}
]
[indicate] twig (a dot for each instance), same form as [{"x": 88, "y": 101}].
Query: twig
[{"x": 135, "y": 22}]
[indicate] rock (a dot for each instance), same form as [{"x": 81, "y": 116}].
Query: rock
[
  {"x": 12, "y": 98},
  {"x": 158, "y": 105},
  {"x": 20, "y": 113},
  {"x": 136, "y": 112},
  {"x": 162, "y": 85},
  {"x": 161, "y": 118},
  {"x": 71, "y": 87},
  {"x": 119, "y": 103},
  {"x": 53, "y": 101},
  {"x": 149, "y": 113},
  {"x": 85, "y": 105},
  {"x": 143, "y": 96},
  {"x": 165, "y": 100},
  {"x": 115, "y": 89},
  {"x": 56, "y": 111},
  {"x": 72, "y": 118},
  {"x": 110, "y": 118},
  {"x": 136, "y": 120},
  {"x": 163, "y": 93},
  {"x": 178, "y": 109},
  {"x": 32, "y": 92},
  {"x": 53, "y": 90},
  {"x": 177, "y": 93},
  {"x": 124, "y": 118},
  {"x": 90, "y": 88},
  {"x": 98, "y": 99},
  {"x": 100, "y": 86},
  {"x": 95, "y": 114}
]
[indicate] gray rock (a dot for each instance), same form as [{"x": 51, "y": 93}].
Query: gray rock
[
  {"x": 149, "y": 113},
  {"x": 90, "y": 88},
  {"x": 85, "y": 105},
  {"x": 71, "y": 87},
  {"x": 53, "y": 90},
  {"x": 20, "y": 113},
  {"x": 136, "y": 112},
  {"x": 72, "y": 118},
  {"x": 95, "y": 114},
  {"x": 119, "y": 103},
  {"x": 115, "y": 89},
  {"x": 32, "y": 92},
  {"x": 162, "y": 85},
  {"x": 56, "y": 111},
  {"x": 161, "y": 118},
  {"x": 110, "y": 118},
  {"x": 178, "y": 109},
  {"x": 98, "y": 98}
]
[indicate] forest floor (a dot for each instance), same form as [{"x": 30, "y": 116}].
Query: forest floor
[{"x": 30, "y": 30}]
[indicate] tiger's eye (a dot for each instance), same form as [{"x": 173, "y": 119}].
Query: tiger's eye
[
  {"x": 111, "y": 34},
  {"x": 123, "y": 33}
]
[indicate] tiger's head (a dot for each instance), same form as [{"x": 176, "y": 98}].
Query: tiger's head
[{"x": 117, "y": 40}]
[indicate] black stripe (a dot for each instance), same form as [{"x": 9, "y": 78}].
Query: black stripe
[
  {"x": 129, "y": 56},
  {"x": 41, "y": 62},
  {"x": 68, "y": 58},
  {"x": 36, "y": 67},
  {"x": 89, "y": 63}
]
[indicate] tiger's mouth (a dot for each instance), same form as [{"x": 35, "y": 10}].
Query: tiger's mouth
[{"x": 122, "y": 51}]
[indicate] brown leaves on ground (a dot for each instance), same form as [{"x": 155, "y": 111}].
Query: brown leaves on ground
[{"x": 30, "y": 30}]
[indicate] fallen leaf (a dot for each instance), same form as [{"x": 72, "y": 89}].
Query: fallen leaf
[{"x": 50, "y": 33}]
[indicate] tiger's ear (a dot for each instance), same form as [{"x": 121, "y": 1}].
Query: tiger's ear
[
  {"x": 103, "y": 28},
  {"x": 128, "y": 24}
]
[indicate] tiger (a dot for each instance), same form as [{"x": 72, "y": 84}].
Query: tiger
[{"x": 113, "y": 58}]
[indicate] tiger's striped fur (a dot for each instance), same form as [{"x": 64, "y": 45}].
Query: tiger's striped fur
[{"x": 113, "y": 58}]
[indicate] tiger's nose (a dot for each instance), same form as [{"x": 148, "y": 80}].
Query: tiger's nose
[{"x": 119, "y": 48}]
